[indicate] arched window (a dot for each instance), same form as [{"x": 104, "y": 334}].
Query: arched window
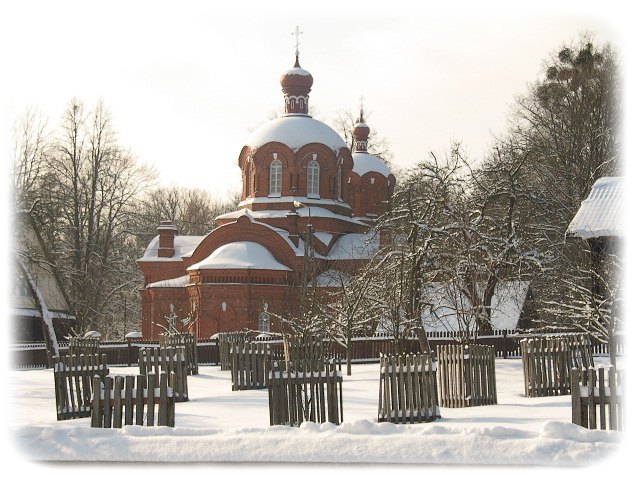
[
  {"x": 339, "y": 182},
  {"x": 275, "y": 178},
  {"x": 250, "y": 180},
  {"x": 313, "y": 179}
]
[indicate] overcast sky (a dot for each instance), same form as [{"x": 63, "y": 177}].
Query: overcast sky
[{"x": 187, "y": 81}]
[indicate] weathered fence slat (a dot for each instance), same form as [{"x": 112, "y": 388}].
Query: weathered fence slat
[
  {"x": 227, "y": 341},
  {"x": 547, "y": 363},
  {"x": 190, "y": 344},
  {"x": 249, "y": 365},
  {"x": 592, "y": 391},
  {"x": 466, "y": 375},
  {"x": 73, "y": 383},
  {"x": 112, "y": 395},
  {"x": 84, "y": 346},
  {"x": 299, "y": 394},
  {"x": 169, "y": 359},
  {"x": 407, "y": 391}
]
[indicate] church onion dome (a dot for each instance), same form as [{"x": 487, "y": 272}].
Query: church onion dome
[
  {"x": 364, "y": 162},
  {"x": 361, "y": 135},
  {"x": 296, "y": 132},
  {"x": 296, "y": 80},
  {"x": 240, "y": 256}
]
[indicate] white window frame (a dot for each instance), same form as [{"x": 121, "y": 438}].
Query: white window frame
[
  {"x": 313, "y": 179},
  {"x": 275, "y": 178}
]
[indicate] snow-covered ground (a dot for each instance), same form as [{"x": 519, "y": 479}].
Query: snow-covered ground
[{"x": 218, "y": 425}]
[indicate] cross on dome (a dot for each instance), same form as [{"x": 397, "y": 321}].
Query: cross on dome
[
  {"x": 297, "y": 32},
  {"x": 361, "y": 130},
  {"x": 296, "y": 84}
]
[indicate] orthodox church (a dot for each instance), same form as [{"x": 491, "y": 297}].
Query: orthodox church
[{"x": 305, "y": 213}]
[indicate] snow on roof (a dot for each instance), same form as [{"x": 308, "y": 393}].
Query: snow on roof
[
  {"x": 332, "y": 278},
  {"x": 296, "y": 131},
  {"x": 600, "y": 214},
  {"x": 324, "y": 237},
  {"x": 297, "y": 71},
  {"x": 184, "y": 245},
  {"x": 182, "y": 281},
  {"x": 365, "y": 162},
  {"x": 318, "y": 212},
  {"x": 240, "y": 255},
  {"x": 506, "y": 304},
  {"x": 355, "y": 246},
  {"x": 291, "y": 199},
  {"x": 34, "y": 312}
]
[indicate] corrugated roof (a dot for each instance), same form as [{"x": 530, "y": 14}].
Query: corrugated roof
[{"x": 600, "y": 214}]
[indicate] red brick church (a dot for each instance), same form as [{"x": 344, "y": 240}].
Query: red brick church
[{"x": 299, "y": 179}]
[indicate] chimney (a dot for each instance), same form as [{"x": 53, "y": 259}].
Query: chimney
[
  {"x": 292, "y": 227},
  {"x": 167, "y": 231}
]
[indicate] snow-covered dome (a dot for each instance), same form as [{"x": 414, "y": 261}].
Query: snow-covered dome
[
  {"x": 364, "y": 162},
  {"x": 296, "y": 131},
  {"x": 297, "y": 78},
  {"x": 240, "y": 255}
]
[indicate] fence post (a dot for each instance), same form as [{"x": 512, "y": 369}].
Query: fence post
[
  {"x": 576, "y": 416},
  {"x": 504, "y": 343}
]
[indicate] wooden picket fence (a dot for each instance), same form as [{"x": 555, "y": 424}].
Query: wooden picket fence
[
  {"x": 190, "y": 343},
  {"x": 596, "y": 398},
  {"x": 132, "y": 400},
  {"x": 155, "y": 360},
  {"x": 297, "y": 394},
  {"x": 408, "y": 389},
  {"x": 228, "y": 341},
  {"x": 310, "y": 351},
  {"x": 547, "y": 363},
  {"x": 250, "y": 363},
  {"x": 466, "y": 375},
  {"x": 84, "y": 346},
  {"x": 73, "y": 377}
]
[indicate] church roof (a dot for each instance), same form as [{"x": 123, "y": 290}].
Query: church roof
[
  {"x": 364, "y": 162},
  {"x": 240, "y": 255},
  {"x": 296, "y": 131},
  {"x": 600, "y": 214}
]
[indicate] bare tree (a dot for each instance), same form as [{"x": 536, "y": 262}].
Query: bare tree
[
  {"x": 192, "y": 210},
  {"x": 567, "y": 123},
  {"x": 32, "y": 146},
  {"x": 94, "y": 183},
  {"x": 345, "y": 303}
]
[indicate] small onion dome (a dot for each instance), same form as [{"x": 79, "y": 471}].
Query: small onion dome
[
  {"x": 296, "y": 80},
  {"x": 361, "y": 132}
]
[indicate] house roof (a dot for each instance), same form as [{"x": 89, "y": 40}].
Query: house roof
[
  {"x": 506, "y": 306},
  {"x": 600, "y": 214}
]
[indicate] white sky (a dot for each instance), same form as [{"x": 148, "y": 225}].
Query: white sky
[{"x": 186, "y": 81}]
